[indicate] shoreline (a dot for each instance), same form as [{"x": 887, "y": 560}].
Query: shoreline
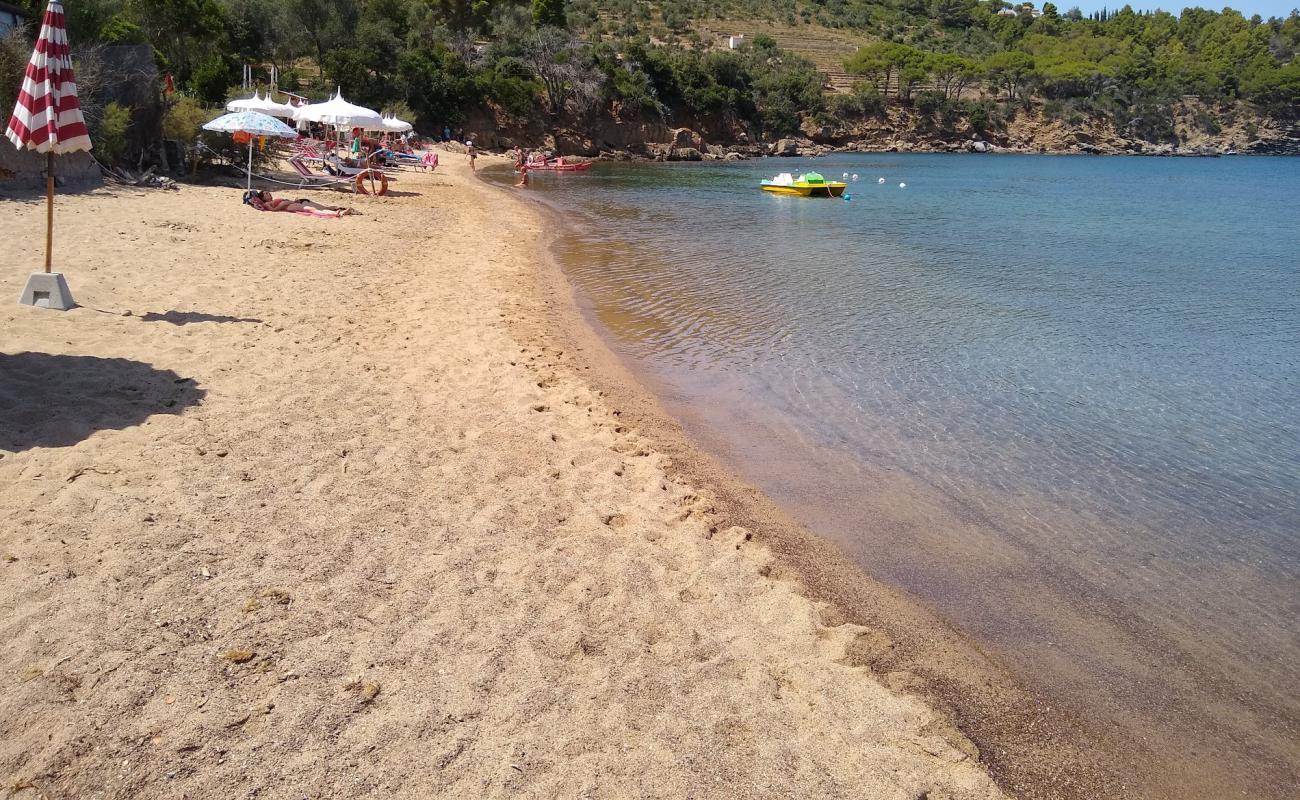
[
  {"x": 285, "y": 493},
  {"x": 1031, "y": 749},
  {"x": 1139, "y": 745}
]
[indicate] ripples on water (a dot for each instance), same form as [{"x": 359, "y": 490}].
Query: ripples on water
[{"x": 1100, "y": 356}]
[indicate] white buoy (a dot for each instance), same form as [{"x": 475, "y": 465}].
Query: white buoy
[
  {"x": 846, "y": 174},
  {"x": 902, "y": 185},
  {"x": 855, "y": 176},
  {"x": 881, "y": 180}
]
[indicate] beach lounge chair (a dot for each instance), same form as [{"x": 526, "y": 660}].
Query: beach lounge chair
[
  {"x": 307, "y": 178},
  {"x": 336, "y": 166},
  {"x": 364, "y": 180},
  {"x": 309, "y": 150}
]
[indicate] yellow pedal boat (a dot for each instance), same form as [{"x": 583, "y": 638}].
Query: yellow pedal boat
[{"x": 810, "y": 184}]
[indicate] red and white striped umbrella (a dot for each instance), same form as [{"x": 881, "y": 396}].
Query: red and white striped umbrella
[{"x": 47, "y": 117}]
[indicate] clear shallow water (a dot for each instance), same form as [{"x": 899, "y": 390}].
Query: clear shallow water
[{"x": 1056, "y": 397}]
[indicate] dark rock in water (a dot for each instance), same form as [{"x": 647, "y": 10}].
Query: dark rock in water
[{"x": 684, "y": 154}]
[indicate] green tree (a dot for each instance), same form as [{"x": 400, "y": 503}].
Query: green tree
[
  {"x": 185, "y": 32},
  {"x": 1009, "y": 70},
  {"x": 549, "y": 13},
  {"x": 952, "y": 73},
  {"x": 119, "y": 29},
  {"x": 887, "y": 62}
]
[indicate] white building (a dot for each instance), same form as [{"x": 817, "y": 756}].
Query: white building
[{"x": 734, "y": 42}]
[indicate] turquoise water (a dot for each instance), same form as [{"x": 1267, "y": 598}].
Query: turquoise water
[{"x": 1057, "y": 398}]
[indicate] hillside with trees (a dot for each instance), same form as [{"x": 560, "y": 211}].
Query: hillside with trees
[{"x": 588, "y": 76}]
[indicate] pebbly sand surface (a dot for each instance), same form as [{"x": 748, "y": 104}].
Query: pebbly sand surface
[{"x": 290, "y": 508}]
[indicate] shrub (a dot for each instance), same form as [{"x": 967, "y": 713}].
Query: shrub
[
  {"x": 864, "y": 100},
  {"x": 928, "y": 103},
  {"x": 110, "y": 134},
  {"x": 236, "y": 153},
  {"x": 14, "y": 52},
  {"x": 120, "y": 30},
  {"x": 183, "y": 119},
  {"x": 983, "y": 115}
]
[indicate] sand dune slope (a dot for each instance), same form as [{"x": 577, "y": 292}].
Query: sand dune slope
[{"x": 311, "y": 522}]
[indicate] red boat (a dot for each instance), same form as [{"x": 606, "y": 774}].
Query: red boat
[{"x": 558, "y": 165}]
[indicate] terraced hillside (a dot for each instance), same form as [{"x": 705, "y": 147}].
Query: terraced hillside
[{"x": 825, "y": 47}]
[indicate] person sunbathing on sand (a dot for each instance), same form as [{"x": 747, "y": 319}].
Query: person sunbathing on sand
[{"x": 263, "y": 201}]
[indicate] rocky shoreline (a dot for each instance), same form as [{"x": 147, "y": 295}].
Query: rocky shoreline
[{"x": 902, "y": 130}]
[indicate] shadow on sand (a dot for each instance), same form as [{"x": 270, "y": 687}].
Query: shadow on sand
[
  {"x": 57, "y": 401},
  {"x": 187, "y": 317}
]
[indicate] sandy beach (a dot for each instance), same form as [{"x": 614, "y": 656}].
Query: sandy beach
[{"x": 296, "y": 507}]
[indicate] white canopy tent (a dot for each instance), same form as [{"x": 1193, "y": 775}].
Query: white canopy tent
[
  {"x": 395, "y": 125},
  {"x": 341, "y": 114},
  {"x": 262, "y": 105}
]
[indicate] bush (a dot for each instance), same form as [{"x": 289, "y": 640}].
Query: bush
[
  {"x": 14, "y": 52},
  {"x": 183, "y": 119},
  {"x": 863, "y": 101},
  {"x": 235, "y": 153},
  {"x": 983, "y": 116},
  {"x": 928, "y": 103},
  {"x": 120, "y": 30},
  {"x": 110, "y": 134}
]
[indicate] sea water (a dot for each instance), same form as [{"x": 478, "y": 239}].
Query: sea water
[{"x": 1056, "y": 398}]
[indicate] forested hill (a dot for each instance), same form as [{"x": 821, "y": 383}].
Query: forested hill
[{"x": 830, "y": 70}]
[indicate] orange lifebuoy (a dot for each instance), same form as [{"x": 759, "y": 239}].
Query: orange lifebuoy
[{"x": 372, "y": 181}]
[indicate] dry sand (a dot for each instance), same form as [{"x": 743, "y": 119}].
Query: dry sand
[{"x": 290, "y": 508}]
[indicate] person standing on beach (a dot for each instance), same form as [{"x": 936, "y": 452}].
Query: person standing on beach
[
  {"x": 519, "y": 157},
  {"x": 473, "y": 154},
  {"x": 522, "y": 183}
]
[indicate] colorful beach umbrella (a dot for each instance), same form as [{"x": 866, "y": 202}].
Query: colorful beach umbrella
[
  {"x": 47, "y": 117},
  {"x": 253, "y": 123}
]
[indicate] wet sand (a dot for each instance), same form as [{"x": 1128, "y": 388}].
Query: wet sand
[
  {"x": 306, "y": 507},
  {"x": 1189, "y": 730},
  {"x": 1032, "y": 747}
]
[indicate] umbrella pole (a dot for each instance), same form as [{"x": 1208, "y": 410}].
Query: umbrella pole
[
  {"x": 49, "y": 208},
  {"x": 249, "y": 185}
]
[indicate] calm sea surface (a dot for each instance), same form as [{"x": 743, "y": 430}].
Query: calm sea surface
[{"x": 1057, "y": 398}]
